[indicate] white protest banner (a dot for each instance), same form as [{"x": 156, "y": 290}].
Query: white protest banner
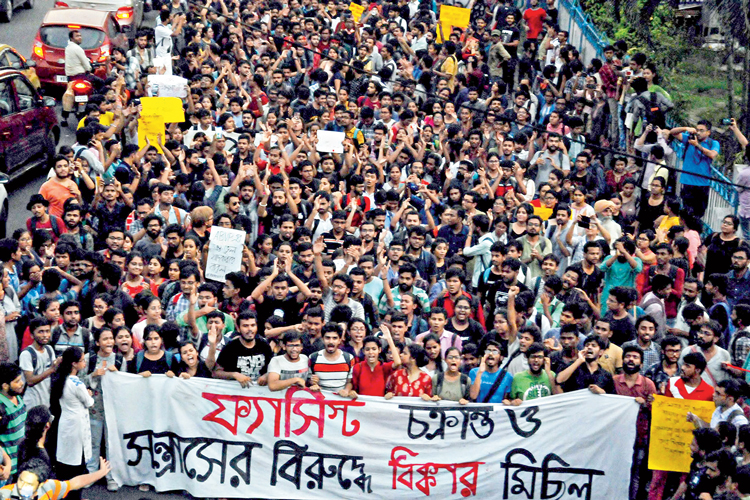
[
  {"x": 330, "y": 142},
  {"x": 214, "y": 439},
  {"x": 224, "y": 252},
  {"x": 168, "y": 85}
]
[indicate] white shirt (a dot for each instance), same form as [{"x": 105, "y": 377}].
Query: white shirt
[
  {"x": 163, "y": 36},
  {"x": 76, "y": 62},
  {"x": 74, "y": 434},
  {"x": 723, "y": 416}
]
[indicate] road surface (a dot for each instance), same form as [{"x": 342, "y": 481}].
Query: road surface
[{"x": 20, "y": 34}]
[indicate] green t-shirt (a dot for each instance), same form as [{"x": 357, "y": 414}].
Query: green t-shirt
[
  {"x": 527, "y": 386},
  {"x": 202, "y": 323}
]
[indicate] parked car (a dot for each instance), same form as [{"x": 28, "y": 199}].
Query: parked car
[
  {"x": 11, "y": 59},
  {"x": 7, "y": 6},
  {"x": 100, "y": 31},
  {"x": 129, "y": 13},
  {"x": 29, "y": 131}
]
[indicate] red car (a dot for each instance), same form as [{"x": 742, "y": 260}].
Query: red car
[
  {"x": 28, "y": 124},
  {"x": 100, "y": 32}
]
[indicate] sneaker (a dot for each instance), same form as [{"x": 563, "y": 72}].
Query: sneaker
[
  {"x": 112, "y": 485},
  {"x": 143, "y": 487},
  {"x": 64, "y": 123}
]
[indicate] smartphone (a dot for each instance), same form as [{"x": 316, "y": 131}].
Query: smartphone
[
  {"x": 585, "y": 221},
  {"x": 726, "y": 121}
]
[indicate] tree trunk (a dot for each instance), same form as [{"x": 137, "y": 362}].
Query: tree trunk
[{"x": 746, "y": 92}]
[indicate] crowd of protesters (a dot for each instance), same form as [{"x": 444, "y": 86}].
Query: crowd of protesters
[{"x": 502, "y": 225}]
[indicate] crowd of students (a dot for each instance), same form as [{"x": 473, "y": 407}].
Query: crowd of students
[{"x": 502, "y": 225}]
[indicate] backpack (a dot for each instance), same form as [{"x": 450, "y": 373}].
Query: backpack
[
  {"x": 653, "y": 113},
  {"x": 463, "y": 379},
  {"x": 85, "y": 333},
  {"x": 119, "y": 361},
  {"x": 348, "y": 357},
  {"x": 35, "y": 357},
  {"x": 141, "y": 355},
  {"x": 54, "y": 222}
]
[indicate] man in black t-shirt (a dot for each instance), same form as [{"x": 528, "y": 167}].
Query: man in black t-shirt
[
  {"x": 245, "y": 359},
  {"x": 585, "y": 372},
  {"x": 279, "y": 303}
]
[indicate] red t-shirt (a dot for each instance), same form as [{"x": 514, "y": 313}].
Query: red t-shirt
[
  {"x": 534, "y": 19},
  {"x": 367, "y": 382},
  {"x": 676, "y": 389}
]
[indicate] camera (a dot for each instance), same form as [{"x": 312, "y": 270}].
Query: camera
[
  {"x": 413, "y": 187},
  {"x": 693, "y": 137}
]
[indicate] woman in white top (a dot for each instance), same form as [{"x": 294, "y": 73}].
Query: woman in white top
[
  {"x": 11, "y": 306},
  {"x": 70, "y": 401},
  {"x": 579, "y": 208}
]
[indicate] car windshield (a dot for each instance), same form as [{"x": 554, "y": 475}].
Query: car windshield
[{"x": 57, "y": 36}]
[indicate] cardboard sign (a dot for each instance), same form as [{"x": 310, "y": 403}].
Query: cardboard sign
[
  {"x": 224, "y": 252},
  {"x": 671, "y": 433}
]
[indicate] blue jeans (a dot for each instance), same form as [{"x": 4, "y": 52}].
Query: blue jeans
[
  {"x": 745, "y": 225},
  {"x": 98, "y": 429}
]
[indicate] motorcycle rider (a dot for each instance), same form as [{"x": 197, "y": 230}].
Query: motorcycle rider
[{"x": 77, "y": 67}]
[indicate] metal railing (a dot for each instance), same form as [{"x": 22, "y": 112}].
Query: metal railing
[
  {"x": 723, "y": 199},
  {"x": 580, "y": 27}
]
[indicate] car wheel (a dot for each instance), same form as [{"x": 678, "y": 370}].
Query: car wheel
[
  {"x": 4, "y": 219},
  {"x": 7, "y": 16},
  {"x": 28, "y": 4}
]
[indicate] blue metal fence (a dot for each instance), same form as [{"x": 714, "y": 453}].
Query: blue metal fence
[
  {"x": 723, "y": 198},
  {"x": 581, "y": 27}
]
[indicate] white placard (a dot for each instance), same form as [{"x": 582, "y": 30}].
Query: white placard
[
  {"x": 213, "y": 438},
  {"x": 330, "y": 142},
  {"x": 224, "y": 252},
  {"x": 169, "y": 85}
]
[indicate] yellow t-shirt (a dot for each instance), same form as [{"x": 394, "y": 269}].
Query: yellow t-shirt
[{"x": 105, "y": 119}]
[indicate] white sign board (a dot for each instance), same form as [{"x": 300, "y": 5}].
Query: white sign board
[
  {"x": 224, "y": 252},
  {"x": 330, "y": 142},
  {"x": 168, "y": 85}
]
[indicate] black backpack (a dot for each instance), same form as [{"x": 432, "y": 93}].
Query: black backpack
[
  {"x": 653, "y": 113},
  {"x": 85, "y": 333}
]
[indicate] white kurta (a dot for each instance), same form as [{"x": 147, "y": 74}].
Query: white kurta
[{"x": 74, "y": 434}]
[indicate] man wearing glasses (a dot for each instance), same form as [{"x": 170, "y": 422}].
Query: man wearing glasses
[
  {"x": 536, "y": 382},
  {"x": 490, "y": 384}
]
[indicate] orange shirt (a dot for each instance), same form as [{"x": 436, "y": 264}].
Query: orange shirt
[{"x": 56, "y": 193}]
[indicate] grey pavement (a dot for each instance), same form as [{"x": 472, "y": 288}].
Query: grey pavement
[{"x": 20, "y": 34}]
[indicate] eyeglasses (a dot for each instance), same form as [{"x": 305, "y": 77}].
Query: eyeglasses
[{"x": 453, "y": 357}]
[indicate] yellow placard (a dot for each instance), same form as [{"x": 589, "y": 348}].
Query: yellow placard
[
  {"x": 169, "y": 108},
  {"x": 451, "y": 17},
  {"x": 671, "y": 433},
  {"x": 151, "y": 126},
  {"x": 357, "y": 11}
]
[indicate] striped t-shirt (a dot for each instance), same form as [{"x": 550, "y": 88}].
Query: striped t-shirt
[
  {"x": 51, "y": 489},
  {"x": 333, "y": 375},
  {"x": 12, "y": 427}
]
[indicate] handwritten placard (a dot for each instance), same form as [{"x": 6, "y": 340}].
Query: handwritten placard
[
  {"x": 168, "y": 85},
  {"x": 357, "y": 11},
  {"x": 451, "y": 17},
  {"x": 224, "y": 252},
  {"x": 151, "y": 126},
  {"x": 169, "y": 108},
  {"x": 671, "y": 433},
  {"x": 330, "y": 142}
]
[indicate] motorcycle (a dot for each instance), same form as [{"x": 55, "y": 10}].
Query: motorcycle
[{"x": 82, "y": 89}]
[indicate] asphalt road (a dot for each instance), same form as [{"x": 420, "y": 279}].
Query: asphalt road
[{"x": 20, "y": 34}]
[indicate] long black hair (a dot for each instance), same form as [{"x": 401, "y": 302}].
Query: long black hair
[{"x": 70, "y": 356}]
